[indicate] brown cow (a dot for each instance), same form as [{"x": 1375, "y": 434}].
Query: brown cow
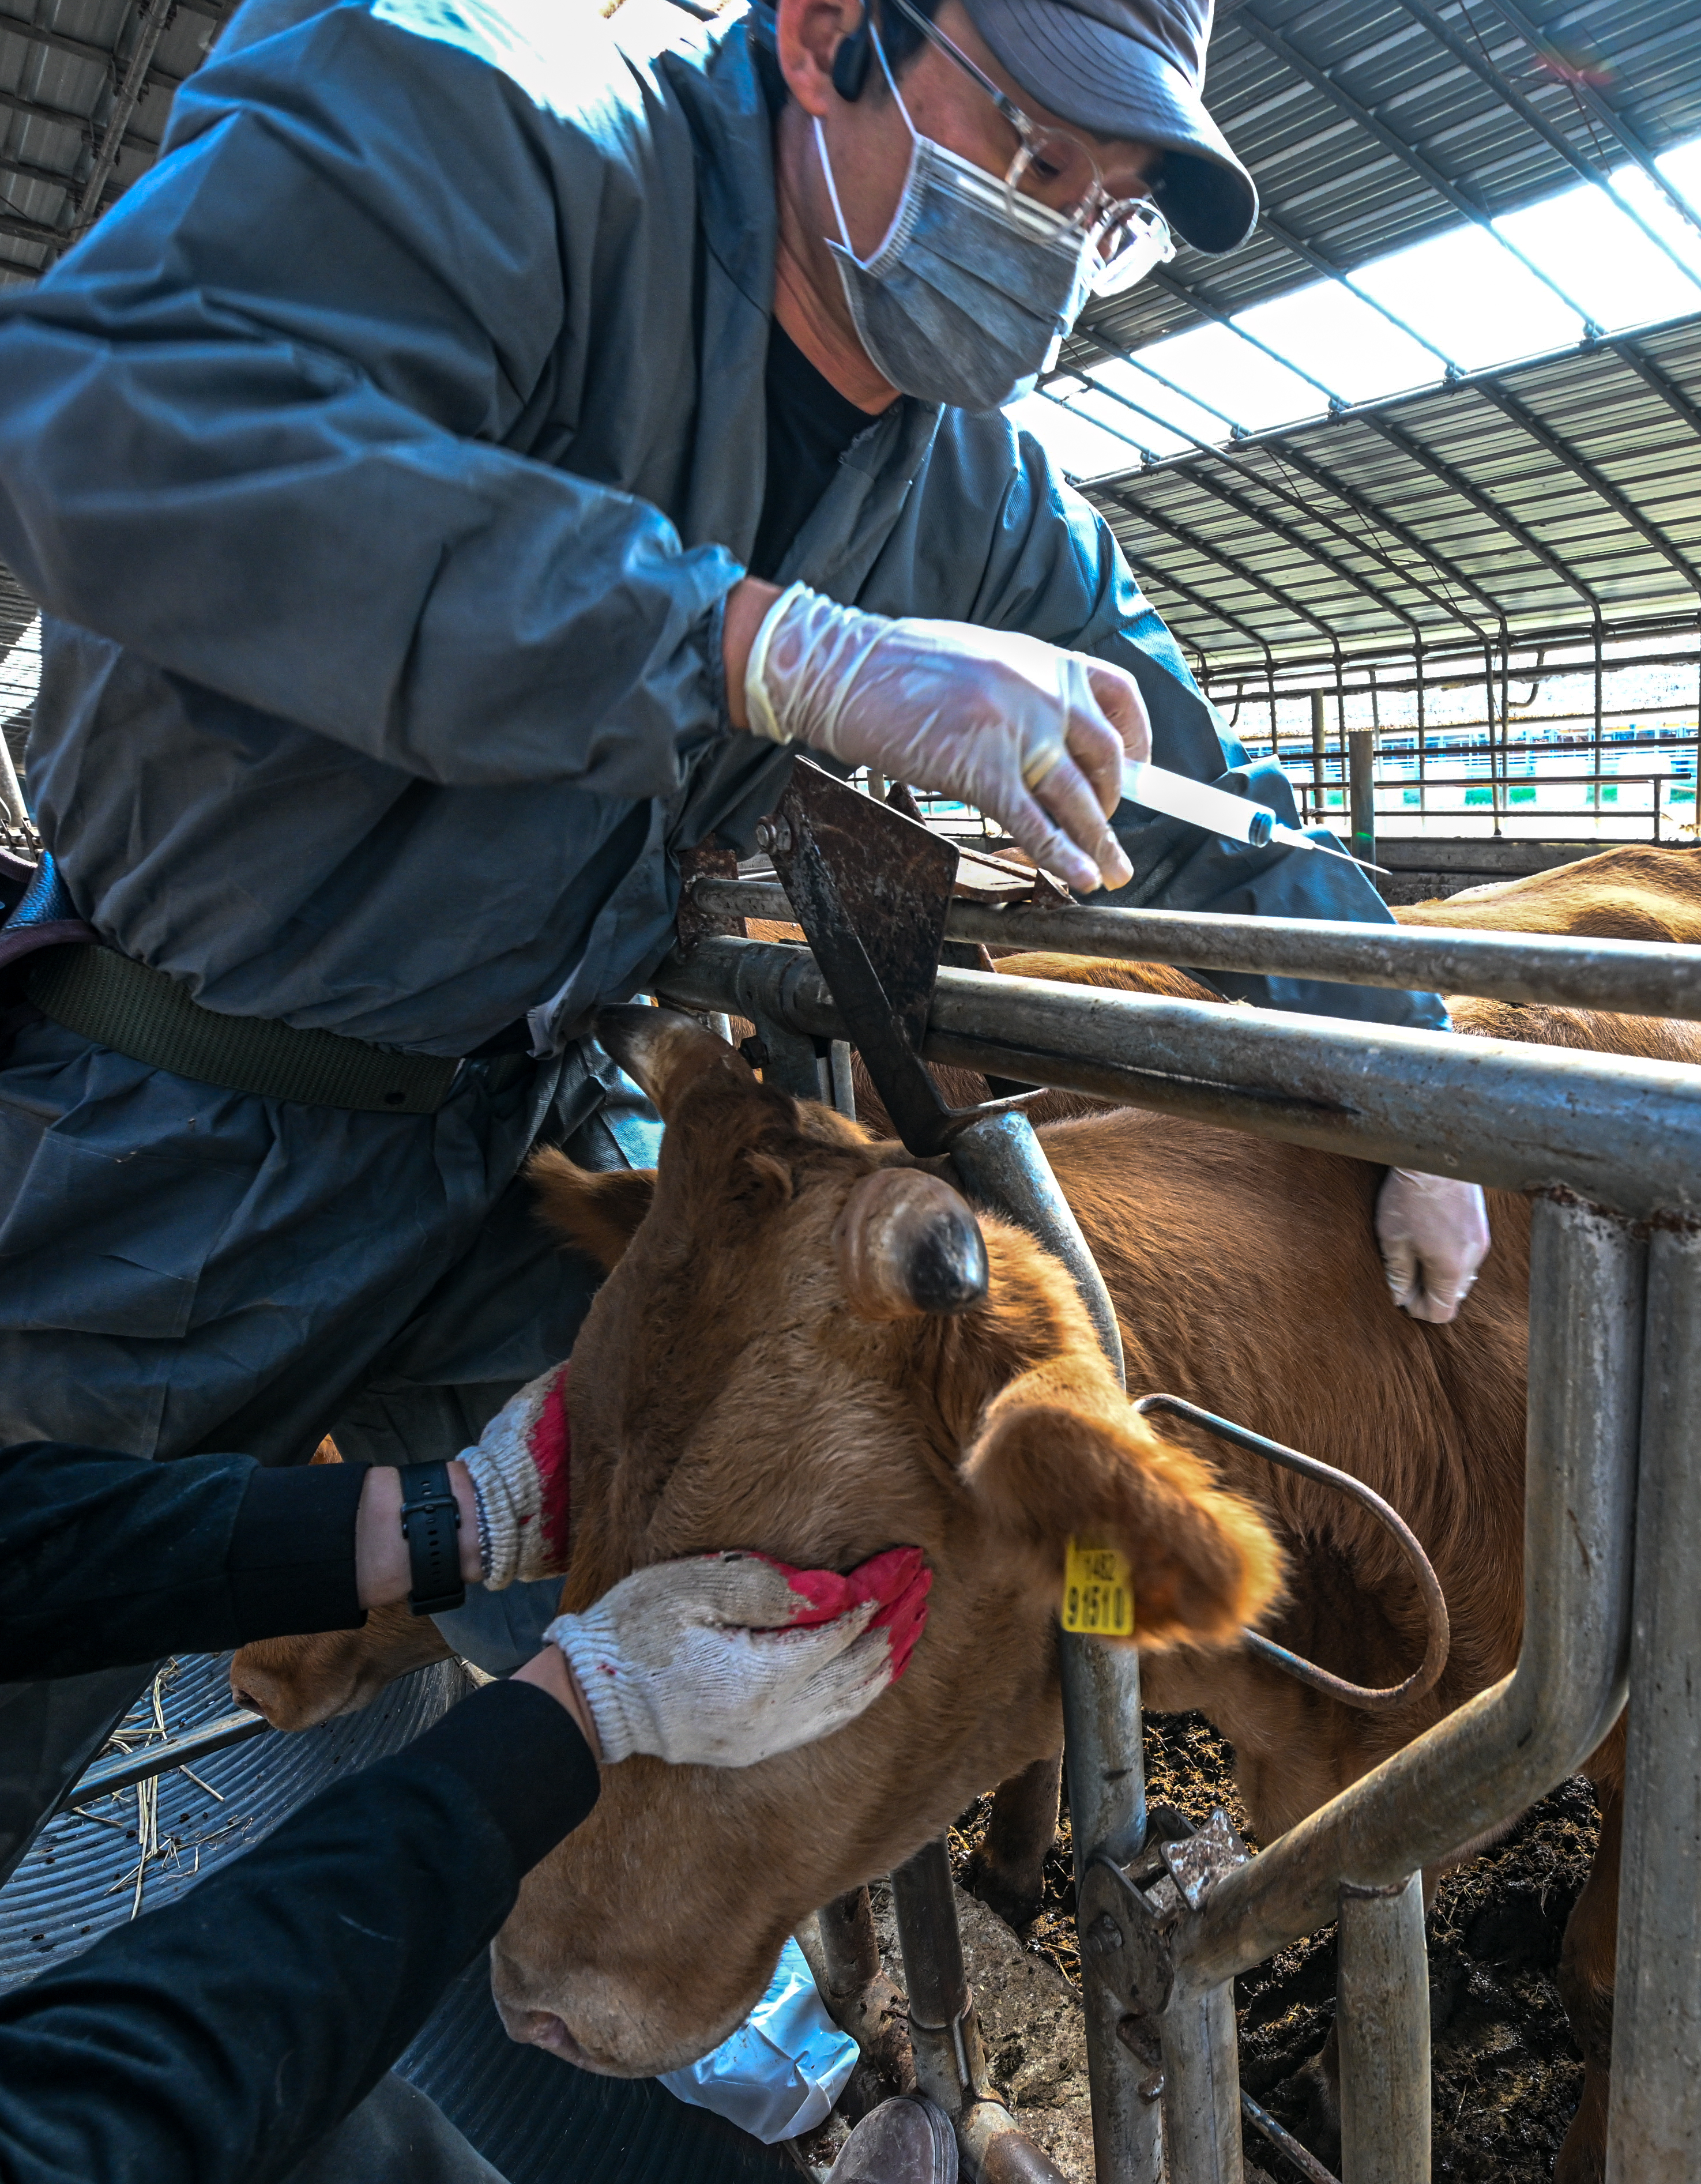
[
  {"x": 820, "y": 1435},
  {"x": 1226, "y": 1258},
  {"x": 1634, "y": 891}
]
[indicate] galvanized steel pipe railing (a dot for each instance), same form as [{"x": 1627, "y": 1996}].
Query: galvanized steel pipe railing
[
  {"x": 1621, "y": 1132},
  {"x": 1654, "y": 2125},
  {"x": 1603, "y": 1143},
  {"x": 1002, "y": 1163},
  {"x": 1382, "y": 2017},
  {"x": 1506, "y": 1747},
  {"x": 1632, "y": 977}
]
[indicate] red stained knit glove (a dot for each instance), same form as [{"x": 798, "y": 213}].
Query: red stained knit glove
[{"x": 521, "y": 1467}]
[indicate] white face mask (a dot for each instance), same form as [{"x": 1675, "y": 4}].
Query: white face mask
[{"x": 968, "y": 299}]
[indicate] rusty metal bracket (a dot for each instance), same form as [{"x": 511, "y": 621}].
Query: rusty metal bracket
[
  {"x": 1125, "y": 1931},
  {"x": 870, "y": 889},
  {"x": 1197, "y": 1861},
  {"x": 700, "y": 917},
  {"x": 1438, "y": 1636}
]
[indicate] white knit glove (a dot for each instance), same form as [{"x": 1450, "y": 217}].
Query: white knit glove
[
  {"x": 723, "y": 1660},
  {"x": 1034, "y": 736},
  {"x": 1433, "y": 1233},
  {"x": 520, "y": 1470}
]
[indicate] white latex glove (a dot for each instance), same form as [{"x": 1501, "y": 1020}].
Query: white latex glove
[
  {"x": 519, "y": 1469},
  {"x": 723, "y": 1660},
  {"x": 1433, "y": 1233},
  {"x": 1034, "y": 736}
]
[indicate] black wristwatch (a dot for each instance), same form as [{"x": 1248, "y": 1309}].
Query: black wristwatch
[{"x": 430, "y": 1525}]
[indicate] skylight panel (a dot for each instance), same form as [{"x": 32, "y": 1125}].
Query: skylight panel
[
  {"x": 1601, "y": 257},
  {"x": 1473, "y": 299},
  {"x": 1463, "y": 290},
  {"x": 1681, "y": 168},
  {"x": 1072, "y": 442},
  {"x": 1651, "y": 205},
  {"x": 1234, "y": 377},
  {"x": 1166, "y": 420},
  {"x": 1343, "y": 341}
]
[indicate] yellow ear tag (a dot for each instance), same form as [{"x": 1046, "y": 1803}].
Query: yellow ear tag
[{"x": 1098, "y": 1591}]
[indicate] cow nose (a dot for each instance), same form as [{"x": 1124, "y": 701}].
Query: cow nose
[{"x": 542, "y": 2028}]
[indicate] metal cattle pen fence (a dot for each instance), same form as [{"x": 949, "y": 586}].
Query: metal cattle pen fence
[{"x": 1609, "y": 1151}]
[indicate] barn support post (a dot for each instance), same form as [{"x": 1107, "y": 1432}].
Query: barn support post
[
  {"x": 1362, "y": 762},
  {"x": 1382, "y": 2014},
  {"x": 1654, "y": 2132}
]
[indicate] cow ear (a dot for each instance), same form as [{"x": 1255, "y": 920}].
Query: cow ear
[
  {"x": 1047, "y": 1464},
  {"x": 665, "y": 1052},
  {"x": 595, "y": 1211}
]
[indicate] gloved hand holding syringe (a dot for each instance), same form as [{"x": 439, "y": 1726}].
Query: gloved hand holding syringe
[{"x": 1044, "y": 740}]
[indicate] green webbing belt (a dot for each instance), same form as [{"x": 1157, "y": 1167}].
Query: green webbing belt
[{"x": 104, "y": 996}]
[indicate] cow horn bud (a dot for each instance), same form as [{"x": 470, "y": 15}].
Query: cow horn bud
[
  {"x": 906, "y": 1244},
  {"x": 664, "y": 1050}
]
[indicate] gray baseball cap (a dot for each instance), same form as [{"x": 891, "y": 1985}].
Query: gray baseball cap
[{"x": 1133, "y": 69}]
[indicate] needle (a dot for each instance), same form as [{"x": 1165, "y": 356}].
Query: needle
[{"x": 1155, "y": 789}]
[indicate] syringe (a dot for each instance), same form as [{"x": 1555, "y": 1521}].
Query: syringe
[{"x": 1155, "y": 789}]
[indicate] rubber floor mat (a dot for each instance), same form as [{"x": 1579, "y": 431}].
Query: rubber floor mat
[
  {"x": 533, "y": 2117},
  {"x": 78, "y": 1877}
]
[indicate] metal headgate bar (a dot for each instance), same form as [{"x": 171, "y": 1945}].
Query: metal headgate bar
[
  {"x": 1622, "y": 1132},
  {"x": 1635, "y": 977},
  {"x": 1001, "y": 1164},
  {"x": 1654, "y": 2125},
  {"x": 1547, "y": 1123},
  {"x": 1496, "y": 1753}
]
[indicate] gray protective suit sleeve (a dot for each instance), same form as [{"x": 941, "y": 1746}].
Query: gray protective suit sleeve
[{"x": 315, "y": 450}]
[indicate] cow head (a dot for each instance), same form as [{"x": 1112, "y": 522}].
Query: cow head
[{"x": 807, "y": 1346}]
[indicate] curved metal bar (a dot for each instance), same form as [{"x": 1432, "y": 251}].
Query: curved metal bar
[{"x": 1438, "y": 1637}]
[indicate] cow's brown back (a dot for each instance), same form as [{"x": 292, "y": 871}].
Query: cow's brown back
[{"x": 1634, "y": 891}]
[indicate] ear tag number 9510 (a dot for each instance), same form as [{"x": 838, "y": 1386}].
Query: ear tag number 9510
[{"x": 1098, "y": 1591}]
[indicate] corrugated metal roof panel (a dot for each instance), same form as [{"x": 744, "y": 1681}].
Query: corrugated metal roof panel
[
  {"x": 60, "y": 66},
  {"x": 1324, "y": 175}
]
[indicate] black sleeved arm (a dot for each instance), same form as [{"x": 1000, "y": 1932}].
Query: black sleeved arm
[
  {"x": 221, "y": 2039},
  {"x": 108, "y": 1559}
]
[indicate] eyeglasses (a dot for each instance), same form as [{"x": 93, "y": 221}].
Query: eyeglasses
[{"x": 1129, "y": 234}]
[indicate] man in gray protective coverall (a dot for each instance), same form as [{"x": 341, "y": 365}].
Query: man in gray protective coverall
[{"x": 454, "y": 478}]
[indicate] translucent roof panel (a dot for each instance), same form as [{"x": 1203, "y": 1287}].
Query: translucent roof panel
[
  {"x": 1071, "y": 441},
  {"x": 1236, "y": 380},
  {"x": 1465, "y": 290},
  {"x": 1604, "y": 260},
  {"x": 1343, "y": 341}
]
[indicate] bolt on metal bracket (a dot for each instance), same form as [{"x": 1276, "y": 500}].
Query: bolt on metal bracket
[{"x": 1197, "y": 1862}]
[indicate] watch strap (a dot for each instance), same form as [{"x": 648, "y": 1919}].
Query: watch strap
[{"x": 430, "y": 1525}]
